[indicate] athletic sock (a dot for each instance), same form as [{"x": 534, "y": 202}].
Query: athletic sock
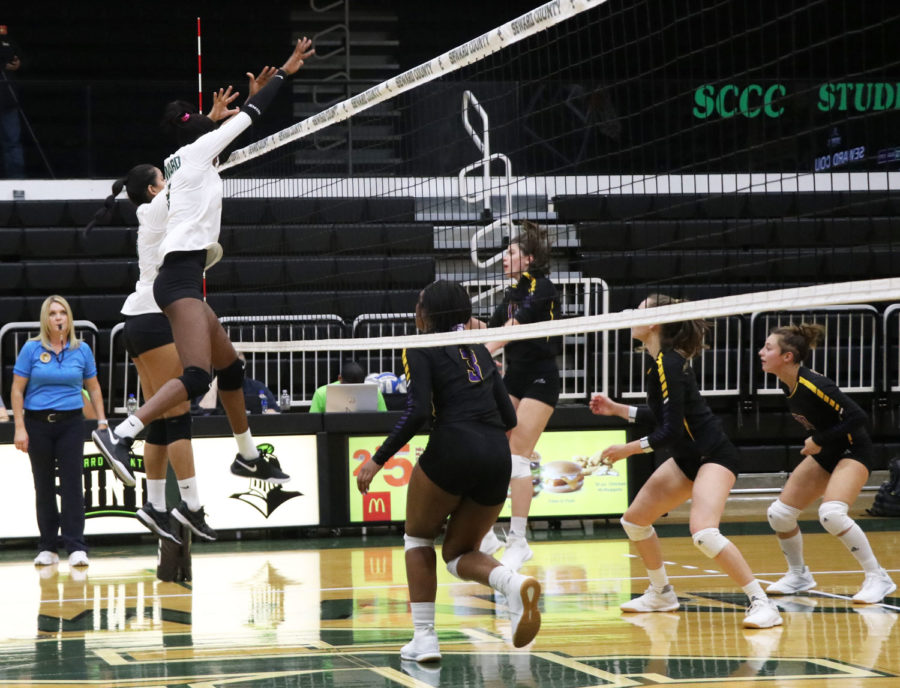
[
  {"x": 190, "y": 493},
  {"x": 856, "y": 541},
  {"x": 246, "y": 447},
  {"x": 658, "y": 578},
  {"x": 129, "y": 428},
  {"x": 156, "y": 493},
  {"x": 792, "y": 548}
]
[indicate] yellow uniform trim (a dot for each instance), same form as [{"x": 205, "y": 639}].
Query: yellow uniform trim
[
  {"x": 819, "y": 393},
  {"x": 662, "y": 377}
]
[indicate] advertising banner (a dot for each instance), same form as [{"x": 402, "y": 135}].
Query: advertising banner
[{"x": 569, "y": 480}]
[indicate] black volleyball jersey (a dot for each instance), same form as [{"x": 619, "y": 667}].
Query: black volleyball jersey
[
  {"x": 455, "y": 384},
  {"x": 533, "y": 299},
  {"x": 829, "y": 415},
  {"x": 684, "y": 423}
]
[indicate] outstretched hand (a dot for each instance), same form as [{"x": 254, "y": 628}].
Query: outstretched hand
[
  {"x": 601, "y": 405},
  {"x": 257, "y": 82},
  {"x": 221, "y": 100},
  {"x": 302, "y": 52}
]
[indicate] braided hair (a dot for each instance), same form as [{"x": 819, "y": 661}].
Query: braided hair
[{"x": 135, "y": 183}]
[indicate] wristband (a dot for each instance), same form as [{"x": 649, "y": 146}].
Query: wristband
[
  {"x": 645, "y": 445},
  {"x": 632, "y": 414}
]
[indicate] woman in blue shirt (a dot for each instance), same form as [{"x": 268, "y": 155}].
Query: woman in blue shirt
[{"x": 48, "y": 377}]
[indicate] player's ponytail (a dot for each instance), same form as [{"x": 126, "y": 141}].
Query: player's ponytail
[
  {"x": 135, "y": 183},
  {"x": 534, "y": 241},
  {"x": 183, "y": 123},
  {"x": 687, "y": 337},
  {"x": 800, "y": 339}
]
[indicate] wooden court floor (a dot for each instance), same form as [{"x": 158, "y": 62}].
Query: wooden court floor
[{"x": 286, "y": 614}]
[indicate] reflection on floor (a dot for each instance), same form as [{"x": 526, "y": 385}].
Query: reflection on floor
[{"x": 337, "y": 616}]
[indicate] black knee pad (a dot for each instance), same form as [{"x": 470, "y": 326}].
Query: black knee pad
[
  {"x": 196, "y": 381},
  {"x": 178, "y": 428},
  {"x": 232, "y": 377},
  {"x": 156, "y": 433}
]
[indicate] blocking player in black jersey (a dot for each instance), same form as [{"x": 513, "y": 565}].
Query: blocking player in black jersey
[
  {"x": 463, "y": 472},
  {"x": 838, "y": 458},
  {"x": 190, "y": 246},
  {"x": 702, "y": 467},
  {"x": 531, "y": 376}
]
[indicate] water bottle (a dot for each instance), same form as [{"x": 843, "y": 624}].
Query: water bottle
[
  {"x": 131, "y": 404},
  {"x": 263, "y": 402},
  {"x": 285, "y": 401}
]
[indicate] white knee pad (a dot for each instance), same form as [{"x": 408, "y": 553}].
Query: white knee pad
[
  {"x": 521, "y": 467},
  {"x": 710, "y": 541},
  {"x": 452, "y": 564},
  {"x": 636, "y": 533},
  {"x": 782, "y": 518},
  {"x": 410, "y": 542},
  {"x": 833, "y": 517}
]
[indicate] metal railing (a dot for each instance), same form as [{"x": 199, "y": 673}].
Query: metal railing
[
  {"x": 718, "y": 368},
  {"x": 847, "y": 356}
]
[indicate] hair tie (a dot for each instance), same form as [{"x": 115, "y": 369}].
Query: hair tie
[
  {"x": 458, "y": 327},
  {"x": 186, "y": 116}
]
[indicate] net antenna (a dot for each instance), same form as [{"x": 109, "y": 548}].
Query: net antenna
[{"x": 483, "y": 143}]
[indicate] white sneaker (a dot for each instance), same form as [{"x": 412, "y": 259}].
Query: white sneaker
[
  {"x": 78, "y": 558},
  {"x": 762, "y": 613},
  {"x": 429, "y": 675},
  {"x": 517, "y": 552},
  {"x": 524, "y": 615},
  {"x": 875, "y": 588},
  {"x": 490, "y": 543},
  {"x": 792, "y": 583},
  {"x": 46, "y": 558},
  {"x": 664, "y": 600},
  {"x": 423, "y": 647}
]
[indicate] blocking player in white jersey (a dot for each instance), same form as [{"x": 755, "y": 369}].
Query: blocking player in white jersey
[{"x": 190, "y": 246}]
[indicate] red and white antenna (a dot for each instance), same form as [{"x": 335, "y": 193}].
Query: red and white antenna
[{"x": 199, "y": 71}]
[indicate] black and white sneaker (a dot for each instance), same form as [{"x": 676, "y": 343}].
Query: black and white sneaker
[
  {"x": 117, "y": 453},
  {"x": 157, "y": 521},
  {"x": 264, "y": 467},
  {"x": 195, "y": 520}
]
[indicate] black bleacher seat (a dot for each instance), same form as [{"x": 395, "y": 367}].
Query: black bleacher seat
[
  {"x": 612, "y": 267},
  {"x": 389, "y": 210},
  {"x": 358, "y": 272},
  {"x": 109, "y": 241},
  {"x": 258, "y": 272},
  {"x": 309, "y": 302},
  {"x": 654, "y": 265},
  {"x": 723, "y": 206},
  {"x": 127, "y": 213},
  {"x": 115, "y": 276},
  {"x": 251, "y": 240},
  {"x": 350, "y": 304},
  {"x": 11, "y": 243},
  {"x": 307, "y": 239},
  {"x": 676, "y": 206},
  {"x": 221, "y": 275},
  {"x": 699, "y": 265},
  {"x": 410, "y": 238},
  {"x": 848, "y": 264},
  {"x": 251, "y": 211},
  {"x": 769, "y": 205},
  {"x": 818, "y": 204},
  {"x": 605, "y": 236},
  {"x": 772, "y": 458},
  {"x": 41, "y": 213},
  {"x": 221, "y": 302},
  {"x": 401, "y": 300},
  {"x": 79, "y": 213},
  {"x": 359, "y": 239},
  {"x": 884, "y": 229},
  {"x": 294, "y": 210},
  {"x": 405, "y": 272},
  {"x": 102, "y": 309},
  {"x": 309, "y": 272},
  {"x": 51, "y": 276},
  {"x": 625, "y": 206},
  {"x": 50, "y": 242},
  {"x": 259, "y": 303},
  {"x": 11, "y": 279},
  {"x": 12, "y": 309},
  {"x": 748, "y": 233},
  {"x": 7, "y": 212}
]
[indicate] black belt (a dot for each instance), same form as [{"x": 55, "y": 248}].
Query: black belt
[{"x": 52, "y": 416}]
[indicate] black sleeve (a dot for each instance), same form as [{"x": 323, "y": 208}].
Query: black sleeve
[
  {"x": 852, "y": 416},
  {"x": 504, "y": 404},
  {"x": 257, "y": 104},
  {"x": 644, "y": 416},
  {"x": 538, "y": 306},
  {"x": 669, "y": 367},
  {"x": 418, "y": 405}
]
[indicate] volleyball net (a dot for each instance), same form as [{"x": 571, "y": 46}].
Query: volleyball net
[{"x": 744, "y": 160}]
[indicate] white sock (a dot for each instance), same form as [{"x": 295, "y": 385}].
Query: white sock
[
  {"x": 658, "y": 578},
  {"x": 129, "y": 428},
  {"x": 156, "y": 493},
  {"x": 856, "y": 541},
  {"x": 792, "y": 548},
  {"x": 190, "y": 493},
  {"x": 518, "y": 526},
  {"x": 754, "y": 589},
  {"x": 504, "y": 580},
  {"x": 246, "y": 447},
  {"x": 422, "y": 615}
]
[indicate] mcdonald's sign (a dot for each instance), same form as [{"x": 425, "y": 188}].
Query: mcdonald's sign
[{"x": 377, "y": 506}]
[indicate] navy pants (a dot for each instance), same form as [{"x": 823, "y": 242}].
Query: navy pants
[{"x": 58, "y": 447}]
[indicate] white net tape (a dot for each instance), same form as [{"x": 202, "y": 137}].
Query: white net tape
[{"x": 840, "y": 293}]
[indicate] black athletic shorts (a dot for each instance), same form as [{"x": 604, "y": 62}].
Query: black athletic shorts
[
  {"x": 180, "y": 277},
  {"x": 469, "y": 459},
  {"x": 861, "y": 450},
  {"x": 724, "y": 454},
  {"x": 146, "y": 332},
  {"x": 536, "y": 380}
]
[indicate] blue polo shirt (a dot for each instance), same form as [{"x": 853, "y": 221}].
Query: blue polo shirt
[{"x": 54, "y": 380}]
